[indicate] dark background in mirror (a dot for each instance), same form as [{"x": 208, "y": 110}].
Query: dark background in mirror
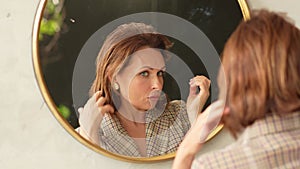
[{"x": 78, "y": 20}]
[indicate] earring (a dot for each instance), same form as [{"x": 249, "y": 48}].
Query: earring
[{"x": 116, "y": 86}]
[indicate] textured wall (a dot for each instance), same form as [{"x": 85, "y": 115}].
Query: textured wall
[{"x": 30, "y": 135}]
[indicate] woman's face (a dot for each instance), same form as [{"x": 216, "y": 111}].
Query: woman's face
[{"x": 141, "y": 81}]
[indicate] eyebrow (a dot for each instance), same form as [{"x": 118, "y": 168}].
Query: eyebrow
[{"x": 151, "y": 68}]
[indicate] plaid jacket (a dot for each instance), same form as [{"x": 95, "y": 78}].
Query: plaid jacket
[
  {"x": 273, "y": 142},
  {"x": 164, "y": 132}
]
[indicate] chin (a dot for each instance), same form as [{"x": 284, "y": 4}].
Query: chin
[{"x": 146, "y": 107}]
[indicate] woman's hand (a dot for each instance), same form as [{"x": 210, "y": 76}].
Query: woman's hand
[
  {"x": 197, "y": 135},
  {"x": 196, "y": 101},
  {"x": 91, "y": 115}
]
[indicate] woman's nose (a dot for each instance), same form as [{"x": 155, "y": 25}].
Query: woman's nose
[{"x": 156, "y": 83}]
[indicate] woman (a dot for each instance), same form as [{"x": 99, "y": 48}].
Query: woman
[
  {"x": 261, "y": 62},
  {"x": 128, "y": 113}
]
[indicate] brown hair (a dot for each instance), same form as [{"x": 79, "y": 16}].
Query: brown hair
[
  {"x": 261, "y": 62},
  {"x": 125, "y": 40}
]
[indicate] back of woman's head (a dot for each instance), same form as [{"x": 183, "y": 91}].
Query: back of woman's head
[
  {"x": 262, "y": 66},
  {"x": 116, "y": 50}
]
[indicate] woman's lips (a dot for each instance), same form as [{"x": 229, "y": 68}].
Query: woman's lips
[
  {"x": 153, "y": 97},
  {"x": 153, "y": 100}
]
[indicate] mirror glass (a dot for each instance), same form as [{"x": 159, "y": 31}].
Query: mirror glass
[{"x": 68, "y": 36}]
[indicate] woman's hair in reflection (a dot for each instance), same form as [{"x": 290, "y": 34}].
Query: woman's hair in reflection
[
  {"x": 119, "y": 45},
  {"x": 262, "y": 70}
]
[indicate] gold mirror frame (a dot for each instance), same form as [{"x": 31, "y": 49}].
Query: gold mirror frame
[{"x": 53, "y": 108}]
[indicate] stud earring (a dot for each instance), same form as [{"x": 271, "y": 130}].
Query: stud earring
[{"x": 116, "y": 86}]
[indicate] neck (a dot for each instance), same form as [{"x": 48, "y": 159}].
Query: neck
[
  {"x": 133, "y": 122},
  {"x": 129, "y": 113}
]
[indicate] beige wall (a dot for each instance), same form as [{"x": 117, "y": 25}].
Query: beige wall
[{"x": 30, "y": 135}]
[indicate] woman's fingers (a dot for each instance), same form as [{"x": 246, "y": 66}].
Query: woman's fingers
[
  {"x": 196, "y": 101},
  {"x": 100, "y": 102},
  {"x": 104, "y": 108},
  {"x": 199, "y": 81},
  {"x": 193, "y": 88},
  {"x": 202, "y": 82},
  {"x": 107, "y": 109},
  {"x": 97, "y": 95},
  {"x": 91, "y": 115}
]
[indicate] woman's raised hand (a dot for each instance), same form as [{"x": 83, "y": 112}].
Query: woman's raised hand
[
  {"x": 91, "y": 115},
  {"x": 196, "y": 100},
  {"x": 198, "y": 133}
]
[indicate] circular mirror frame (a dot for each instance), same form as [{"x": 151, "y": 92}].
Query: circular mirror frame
[{"x": 53, "y": 108}]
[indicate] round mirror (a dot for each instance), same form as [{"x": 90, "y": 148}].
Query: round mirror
[{"x": 67, "y": 38}]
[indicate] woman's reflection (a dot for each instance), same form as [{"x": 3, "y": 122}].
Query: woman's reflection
[{"x": 128, "y": 113}]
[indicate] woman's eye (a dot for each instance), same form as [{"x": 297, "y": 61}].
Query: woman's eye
[
  {"x": 145, "y": 73},
  {"x": 160, "y": 73}
]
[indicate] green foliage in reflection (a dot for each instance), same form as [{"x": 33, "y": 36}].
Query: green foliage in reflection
[
  {"x": 51, "y": 21},
  {"x": 64, "y": 111}
]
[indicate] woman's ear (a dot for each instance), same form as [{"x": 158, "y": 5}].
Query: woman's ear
[
  {"x": 226, "y": 111},
  {"x": 111, "y": 79}
]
